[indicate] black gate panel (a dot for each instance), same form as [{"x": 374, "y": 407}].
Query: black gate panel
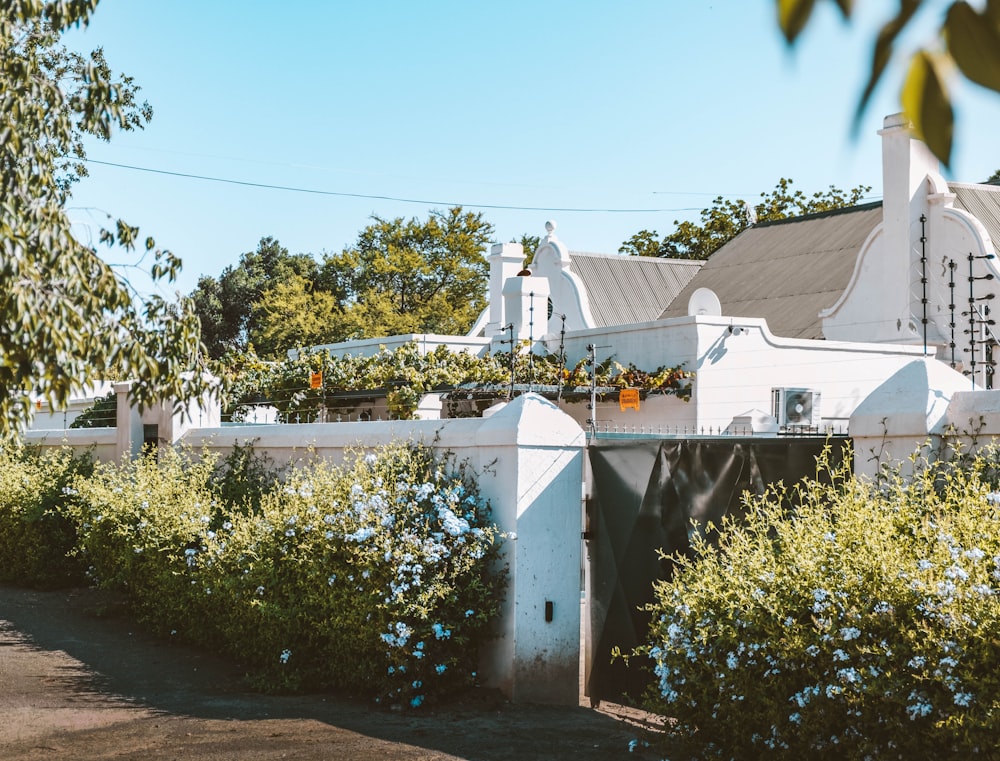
[{"x": 649, "y": 495}]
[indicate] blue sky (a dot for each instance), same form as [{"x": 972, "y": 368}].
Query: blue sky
[{"x": 631, "y": 105}]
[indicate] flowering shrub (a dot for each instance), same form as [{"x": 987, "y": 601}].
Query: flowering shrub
[
  {"x": 139, "y": 523},
  {"x": 864, "y": 624},
  {"x": 37, "y": 535},
  {"x": 380, "y": 576}
]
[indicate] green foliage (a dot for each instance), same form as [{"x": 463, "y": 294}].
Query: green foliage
[
  {"x": 65, "y": 314},
  {"x": 968, "y": 42},
  {"x": 413, "y": 276},
  {"x": 292, "y": 314},
  {"x": 380, "y": 576},
  {"x": 725, "y": 219},
  {"x": 137, "y": 522},
  {"x": 405, "y": 374},
  {"x": 37, "y": 533},
  {"x": 245, "y": 305},
  {"x": 530, "y": 244},
  {"x": 242, "y": 479},
  {"x": 102, "y": 414},
  {"x": 862, "y": 624},
  {"x": 644, "y": 243},
  {"x": 401, "y": 276}
]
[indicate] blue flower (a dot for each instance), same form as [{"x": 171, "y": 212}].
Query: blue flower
[
  {"x": 362, "y": 534},
  {"x": 440, "y": 632}
]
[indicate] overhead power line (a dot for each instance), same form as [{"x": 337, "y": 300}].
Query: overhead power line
[{"x": 342, "y": 194}]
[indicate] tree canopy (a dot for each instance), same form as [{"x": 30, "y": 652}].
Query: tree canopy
[
  {"x": 413, "y": 276},
  {"x": 727, "y": 218},
  {"x": 66, "y": 315},
  {"x": 230, "y": 307},
  {"x": 401, "y": 276},
  {"x": 968, "y": 43}
]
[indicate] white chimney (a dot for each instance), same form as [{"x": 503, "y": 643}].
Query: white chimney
[
  {"x": 506, "y": 260},
  {"x": 906, "y": 164}
]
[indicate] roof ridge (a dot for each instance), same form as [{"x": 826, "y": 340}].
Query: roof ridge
[
  {"x": 819, "y": 214},
  {"x": 631, "y": 257}
]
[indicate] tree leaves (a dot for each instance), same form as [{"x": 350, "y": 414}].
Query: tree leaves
[
  {"x": 926, "y": 103},
  {"x": 66, "y": 317},
  {"x": 727, "y": 218},
  {"x": 973, "y": 41},
  {"x": 969, "y": 39},
  {"x": 882, "y": 52},
  {"x": 793, "y": 15}
]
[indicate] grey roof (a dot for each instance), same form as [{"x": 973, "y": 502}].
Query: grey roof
[
  {"x": 624, "y": 290},
  {"x": 786, "y": 271},
  {"x": 983, "y": 202}
]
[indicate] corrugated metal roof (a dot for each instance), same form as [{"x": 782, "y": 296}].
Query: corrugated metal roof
[
  {"x": 786, "y": 271},
  {"x": 624, "y": 290},
  {"x": 982, "y": 202}
]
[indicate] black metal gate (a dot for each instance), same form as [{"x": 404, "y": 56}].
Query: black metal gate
[{"x": 644, "y": 495}]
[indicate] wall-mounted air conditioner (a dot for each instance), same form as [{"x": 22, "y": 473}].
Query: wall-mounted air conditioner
[{"x": 798, "y": 407}]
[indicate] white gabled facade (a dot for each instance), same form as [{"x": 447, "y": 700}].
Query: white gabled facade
[{"x": 911, "y": 280}]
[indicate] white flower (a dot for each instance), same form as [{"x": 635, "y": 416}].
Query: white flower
[{"x": 956, "y": 572}]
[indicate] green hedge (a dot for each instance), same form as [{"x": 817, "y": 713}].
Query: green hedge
[
  {"x": 865, "y": 624},
  {"x": 37, "y": 533},
  {"x": 380, "y": 577}
]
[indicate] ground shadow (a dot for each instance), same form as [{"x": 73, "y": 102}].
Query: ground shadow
[{"x": 113, "y": 666}]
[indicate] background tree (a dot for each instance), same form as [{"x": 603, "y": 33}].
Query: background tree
[
  {"x": 994, "y": 179},
  {"x": 229, "y": 307},
  {"x": 968, "y": 43},
  {"x": 530, "y": 244},
  {"x": 65, "y": 314},
  {"x": 725, "y": 219},
  {"x": 293, "y": 314},
  {"x": 644, "y": 243},
  {"x": 412, "y": 276}
]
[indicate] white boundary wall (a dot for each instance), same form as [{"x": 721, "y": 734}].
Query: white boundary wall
[{"x": 528, "y": 456}]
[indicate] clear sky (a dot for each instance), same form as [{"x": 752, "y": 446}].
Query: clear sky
[{"x": 656, "y": 105}]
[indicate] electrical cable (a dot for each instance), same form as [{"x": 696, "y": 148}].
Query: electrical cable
[{"x": 343, "y": 194}]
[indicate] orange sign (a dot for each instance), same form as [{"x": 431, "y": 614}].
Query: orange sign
[
  {"x": 316, "y": 380},
  {"x": 628, "y": 398}
]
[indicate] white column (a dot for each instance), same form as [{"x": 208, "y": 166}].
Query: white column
[
  {"x": 526, "y": 305},
  {"x": 506, "y": 260},
  {"x": 129, "y": 422}
]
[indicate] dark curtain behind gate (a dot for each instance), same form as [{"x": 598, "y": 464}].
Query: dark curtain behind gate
[{"x": 645, "y": 494}]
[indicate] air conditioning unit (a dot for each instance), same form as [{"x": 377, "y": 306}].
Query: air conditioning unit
[{"x": 796, "y": 407}]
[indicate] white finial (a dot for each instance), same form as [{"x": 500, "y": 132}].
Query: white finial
[{"x": 550, "y": 229}]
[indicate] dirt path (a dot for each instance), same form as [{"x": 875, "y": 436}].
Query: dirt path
[{"x": 77, "y": 681}]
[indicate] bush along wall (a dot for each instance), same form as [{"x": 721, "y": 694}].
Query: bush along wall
[
  {"x": 380, "y": 577},
  {"x": 864, "y": 624},
  {"x": 37, "y": 531}
]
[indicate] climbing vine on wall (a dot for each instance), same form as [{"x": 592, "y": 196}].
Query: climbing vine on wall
[{"x": 403, "y": 375}]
